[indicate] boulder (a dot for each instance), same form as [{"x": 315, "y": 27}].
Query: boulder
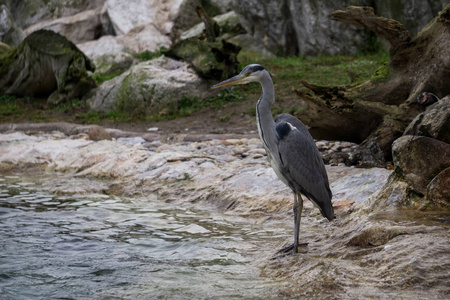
[
  {"x": 434, "y": 122},
  {"x": 438, "y": 190},
  {"x": 113, "y": 63},
  {"x": 148, "y": 88},
  {"x": 27, "y": 13},
  {"x": 45, "y": 63},
  {"x": 105, "y": 45},
  {"x": 98, "y": 133},
  {"x": 145, "y": 25},
  {"x": 251, "y": 48},
  {"x": 144, "y": 37},
  {"x": 211, "y": 59},
  {"x": 417, "y": 160},
  {"x": 82, "y": 27},
  {"x": 108, "y": 55},
  {"x": 125, "y": 17},
  {"x": 10, "y": 33}
]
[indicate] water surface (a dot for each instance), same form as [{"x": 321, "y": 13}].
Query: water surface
[{"x": 106, "y": 247}]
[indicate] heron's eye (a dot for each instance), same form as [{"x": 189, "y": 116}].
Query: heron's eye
[{"x": 248, "y": 73}]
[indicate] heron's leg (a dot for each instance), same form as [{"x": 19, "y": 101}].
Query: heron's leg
[
  {"x": 293, "y": 248},
  {"x": 298, "y": 207}
]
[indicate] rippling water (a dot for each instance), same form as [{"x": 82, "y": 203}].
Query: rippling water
[{"x": 106, "y": 247}]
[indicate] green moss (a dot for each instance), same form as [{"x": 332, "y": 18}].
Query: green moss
[
  {"x": 99, "y": 79},
  {"x": 148, "y": 55},
  {"x": 382, "y": 74}
]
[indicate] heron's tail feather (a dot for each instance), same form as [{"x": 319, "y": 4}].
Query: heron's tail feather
[{"x": 324, "y": 204}]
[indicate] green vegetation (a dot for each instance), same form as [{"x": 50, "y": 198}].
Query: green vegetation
[
  {"x": 186, "y": 106},
  {"x": 99, "y": 79},
  {"x": 287, "y": 72},
  {"x": 148, "y": 55}
]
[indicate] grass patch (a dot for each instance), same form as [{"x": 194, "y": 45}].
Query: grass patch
[
  {"x": 287, "y": 73},
  {"x": 148, "y": 55},
  {"x": 9, "y": 105},
  {"x": 187, "y": 106},
  {"x": 99, "y": 79}
]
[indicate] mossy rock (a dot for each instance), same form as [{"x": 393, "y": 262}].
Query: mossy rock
[
  {"x": 211, "y": 60},
  {"x": 43, "y": 63}
]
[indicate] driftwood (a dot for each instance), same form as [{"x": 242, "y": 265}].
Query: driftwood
[{"x": 376, "y": 112}]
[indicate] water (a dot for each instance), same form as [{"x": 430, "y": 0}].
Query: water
[{"x": 106, "y": 247}]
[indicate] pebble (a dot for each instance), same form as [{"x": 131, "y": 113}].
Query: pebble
[{"x": 98, "y": 133}]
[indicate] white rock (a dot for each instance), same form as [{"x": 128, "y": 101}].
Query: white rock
[
  {"x": 105, "y": 45},
  {"x": 125, "y": 16},
  {"x": 82, "y": 27},
  {"x": 144, "y": 37}
]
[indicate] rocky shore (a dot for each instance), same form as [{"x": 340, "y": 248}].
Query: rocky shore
[{"x": 373, "y": 248}]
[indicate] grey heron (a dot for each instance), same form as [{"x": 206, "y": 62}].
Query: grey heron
[{"x": 290, "y": 149}]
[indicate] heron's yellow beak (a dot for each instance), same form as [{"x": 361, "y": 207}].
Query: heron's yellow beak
[{"x": 232, "y": 81}]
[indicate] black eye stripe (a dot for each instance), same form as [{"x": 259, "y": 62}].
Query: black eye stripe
[{"x": 256, "y": 68}]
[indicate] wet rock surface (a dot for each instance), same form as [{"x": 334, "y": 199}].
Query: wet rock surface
[
  {"x": 419, "y": 159},
  {"x": 373, "y": 248}
]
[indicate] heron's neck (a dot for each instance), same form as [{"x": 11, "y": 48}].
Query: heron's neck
[{"x": 266, "y": 124}]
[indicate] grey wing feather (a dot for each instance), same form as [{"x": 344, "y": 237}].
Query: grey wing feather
[{"x": 302, "y": 163}]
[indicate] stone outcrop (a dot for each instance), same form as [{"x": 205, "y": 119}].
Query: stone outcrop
[
  {"x": 285, "y": 27},
  {"x": 304, "y": 27}
]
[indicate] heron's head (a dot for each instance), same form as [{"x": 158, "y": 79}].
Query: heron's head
[{"x": 251, "y": 73}]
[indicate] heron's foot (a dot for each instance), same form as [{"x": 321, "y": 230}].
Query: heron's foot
[{"x": 289, "y": 250}]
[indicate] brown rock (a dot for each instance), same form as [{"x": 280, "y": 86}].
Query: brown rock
[
  {"x": 438, "y": 190},
  {"x": 433, "y": 122},
  {"x": 97, "y": 133},
  {"x": 419, "y": 159}
]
